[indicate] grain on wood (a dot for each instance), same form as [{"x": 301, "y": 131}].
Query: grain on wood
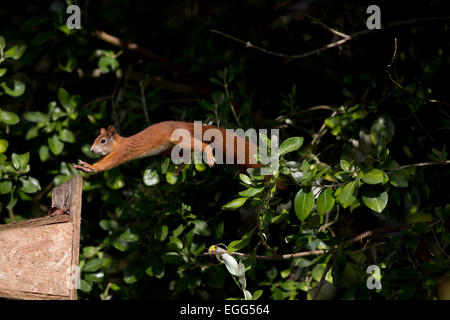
[{"x": 39, "y": 257}]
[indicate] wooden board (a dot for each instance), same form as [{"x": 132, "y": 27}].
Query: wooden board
[{"x": 39, "y": 257}]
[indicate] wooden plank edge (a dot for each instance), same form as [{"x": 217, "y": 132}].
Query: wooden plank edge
[
  {"x": 23, "y": 295},
  {"x": 35, "y": 222}
]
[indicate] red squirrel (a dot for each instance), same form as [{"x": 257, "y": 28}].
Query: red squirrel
[{"x": 159, "y": 138}]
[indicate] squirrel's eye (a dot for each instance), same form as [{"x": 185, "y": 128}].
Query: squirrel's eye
[{"x": 102, "y": 141}]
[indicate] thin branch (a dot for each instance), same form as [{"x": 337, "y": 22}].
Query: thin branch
[
  {"x": 388, "y": 70},
  {"x": 358, "y": 238},
  {"x": 332, "y": 44},
  {"x": 424, "y": 164},
  {"x": 90, "y": 103},
  {"x": 11, "y": 214},
  {"x": 371, "y": 233},
  {"x": 439, "y": 244},
  {"x": 333, "y": 31},
  {"x": 323, "y": 129},
  {"x": 277, "y": 257},
  {"x": 321, "y": 107},
  {"x": 144, "y": 101},
  {"x": 225, "y": 85},
  {"x": 327, "y": 224},
  {"x": 324, "y": 274},
  {"x": 115, "y": 41}
]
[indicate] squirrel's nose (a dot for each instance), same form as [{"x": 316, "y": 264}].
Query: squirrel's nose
[{"x": 92, "y": 148}]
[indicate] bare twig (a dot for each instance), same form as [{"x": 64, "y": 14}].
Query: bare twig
[
  {"x": 321, "y": 107},
  {"x": 358, "y": 238},
  {"x": 323, "y": 129},
  {"x": 11, "y": 214},
  {"x": 90, "y": 103},
  {"x": 388, "y": 70},
  {"x": 276, "y": 257},
  {"x": 115, "y": 41},
  {"x": 327, "y": 224},
  {"x": 338, "y": 43},
  {"x": 144, "y": 101},
  {"x": 424, "y": 164},
  {"x": 324, "y": 274},
  {"x": 225, "y": 85},
  {"x": 333, "y": 31}
]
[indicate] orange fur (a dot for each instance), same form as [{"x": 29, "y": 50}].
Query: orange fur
[{"x": 157, "y": 139}]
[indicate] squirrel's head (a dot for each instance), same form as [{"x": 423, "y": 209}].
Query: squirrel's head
[{"x": 104, "y": 143}]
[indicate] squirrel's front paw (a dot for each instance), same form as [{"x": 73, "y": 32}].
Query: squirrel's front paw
[
  {"x": 83, "y": 166},
  {"x": 210, "y": 160}
]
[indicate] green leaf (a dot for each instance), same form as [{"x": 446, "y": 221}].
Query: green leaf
[
  {"x": 325, "y": 201},
  {"x": 56, "y": 146},
  {"x": 239, "y": 244},
  {"x": 150, "y": 177},
  {"x": 3, "y": 145},
  {"x": 66, "y": 135},
  {"x": 85, "y": 286},
  {"x": 257, "y": 294},
  {"x": 17, "y": 90},
  {"x": 245, "y": 179},
  {"x": 382, "y": 130},
  {"x": 15, "y": 52},
  {"x": 234, "y": 204},
  {"x": 303, "y": 204},
  {"x": 35, "y": 116},
  {"x": 121, "y": 245},
  {"x": 162, "y": 233},
  {"x": 93, "y": 264},
  {"x": 251, "y": 192},
  {"x": 5, "y": 187},
  {"x": 12, "y": 200},
  {"x": 66, "y": 60},
  {"x": 64, "y": 98},
  {"x": 201, "y": 228},
  {"x": 109, "y": 225},
  {"x": 171, "y": 257},
  {"x": 375, "y": 199},
  {"x": 74, "y": 102},
  {"x": 390, "y": 164},
  {"x": 345, "y": 165},
  {"x": 171, "y": 178},
  {"x": 9, "y": 118},
  {"x": 348, "y": 194},
  {"x": 318, "y": 271},
  {"x": 374, "y": 176},
  {"x": 128, "y": 236},
  {"x": 43, "y": 153},
  {"x": 33, "y": 132},
  {"x": 29, "y": 184},
  {"x": 175, "y": 243},
  {"x": 398, "y": 179},
  {"x": 2, "y": 71},
  {"x": 114, "y": 179},
  {"x": 107, "y": 63},
  {"x": 290, "y": 145},
  {"x": 20, "y": 161},
  {"x": 411, "y": 199}
]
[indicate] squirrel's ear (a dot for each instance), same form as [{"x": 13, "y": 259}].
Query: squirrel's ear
[
  {"x": 111, "y": 130},
  {"x": 102, "y": 131}
]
